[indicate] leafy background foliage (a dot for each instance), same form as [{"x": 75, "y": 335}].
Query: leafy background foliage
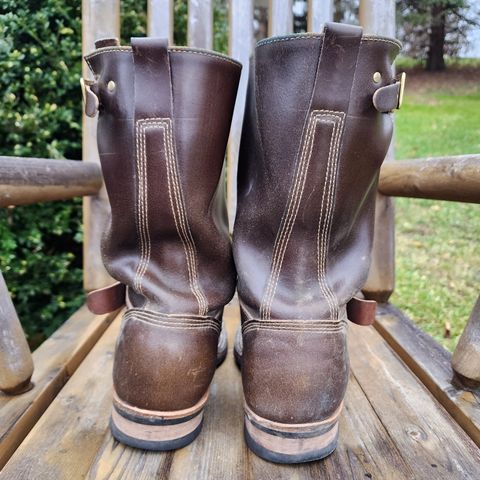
[{"x": 40, "y": 116}]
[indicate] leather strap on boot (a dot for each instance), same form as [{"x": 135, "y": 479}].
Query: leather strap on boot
[
  {"x": 336, "y": 67},
  {"x": 107, "y": 299},
  {"x": 361, "y": 311},
  {"x": 390, "y": 97},
  {"x": 152, "y": 74}
]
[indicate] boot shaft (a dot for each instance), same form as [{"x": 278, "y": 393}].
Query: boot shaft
[
  {"x": 312, "y": 145},
  {"x": 316, "y": 131},
  {"x": 162, "y": 132}
]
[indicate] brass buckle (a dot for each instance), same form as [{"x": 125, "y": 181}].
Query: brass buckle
[
  {"x": 402, "y": 79},
  {"x": 84, "y": 85},
  {"x": 88, "y": 96}
]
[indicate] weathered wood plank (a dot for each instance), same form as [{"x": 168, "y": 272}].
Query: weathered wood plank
[
  {"x": 200, "y": 24},
  {"x": 423, "y": 432},
  {"x": 240, "y": 45},
  {"x": 100, "y": 19},
  {"x": 431, "y": 363},
  {"x": 30, "y": 180},
  {"x": 378, "y": 17},
  {"x": 220, "y": 451},
  {"x": 16, "y": 364},
  {"x": 319, "y": 12},
  {"x": 466, "y": 357},
  {"x": 280, "y": 17},
  {"x": 160, "y": 19},
  {"x": 66, "y": 438},
  {"x": 454, "y": 178},
  {"x": 382, "y": 433},
  {"x": 55, "y": 362}
]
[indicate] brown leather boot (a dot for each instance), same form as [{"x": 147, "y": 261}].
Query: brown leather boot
[
  {"x": 316, "y": 131},
  {"x": 163, "y": 125}
]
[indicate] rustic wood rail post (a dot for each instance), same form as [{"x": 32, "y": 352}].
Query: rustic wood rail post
[
  {"x": 466, "y": 357},
  {"x": 378, "y": 17},
  {"x": 160, "y": 19},
  {"x": 455, "y": 178},
  {"x": 280, "y": 19},
  {"x": 200, "y": 24},
  {"x": 32, "y": 180},
  {"x": 16, "y": 364},
  {"x": 240, "y": 47},
  {"x": 100, "y": 19},
  {"x": 319, "y": 12}
]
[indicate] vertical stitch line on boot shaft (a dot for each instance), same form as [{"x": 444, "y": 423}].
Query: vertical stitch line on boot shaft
[
  {"x": 290, "y": 217},
  {"x": 327, "y": 206},
  {"x": 163, "y": 124},
  {"x": 178, "y": 209},
  {"x": 264, "y": 308},
  {"x": 174, "y": 203},
  {"x": 143, "y": 210},
  {"x": 281, "y": 244},
  {"x": 325, "y": 194},
  {"x": 203, "y": 304},
  {"x": 140, "y": 204},
  {"x": 329, "y": 229}
]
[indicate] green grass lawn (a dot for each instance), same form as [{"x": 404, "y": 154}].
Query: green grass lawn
[{"x": 438, "y": 253}]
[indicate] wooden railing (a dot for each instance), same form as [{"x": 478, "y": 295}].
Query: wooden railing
[{"x": 36, "y": 180}]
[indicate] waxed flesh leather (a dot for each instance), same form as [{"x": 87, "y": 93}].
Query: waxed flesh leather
[
  {"x": 164, "y": 120},
  {"x": 312, "y": 145}
]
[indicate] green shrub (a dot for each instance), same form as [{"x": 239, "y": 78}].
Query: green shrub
[{"x": 40, "y": 116}]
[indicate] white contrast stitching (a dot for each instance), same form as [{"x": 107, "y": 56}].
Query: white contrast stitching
[
  {"x": 220, "y": 57},
  {"x": 178, "y": 50},
  {"x": 176, "y": 203},
  {"x": 327, "y": 206},
  {"x": 286, "y": 227},
  {"x": 369, "y": 38},
  {"x": 188, "y": 238},
  {"x": 318, "y": 326},
  {"x": 283, "y": 236},
  {"x": 142, "y": 213}
]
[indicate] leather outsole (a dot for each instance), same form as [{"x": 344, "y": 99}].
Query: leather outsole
[
  {"x": 291, "y": 443},
  {"x": 155, "y": 430}
]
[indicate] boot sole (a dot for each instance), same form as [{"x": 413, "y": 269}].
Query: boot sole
[
  {"x": 291, "y": 443},
  {"x": 156, "y": 430}
]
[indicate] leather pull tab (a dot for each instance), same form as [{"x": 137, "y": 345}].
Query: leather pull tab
[
  {"x": 107, "y": 299},
  {"x": 336, "y": 67},
  {"x": 107, "y": 42},
  {"x": 152, "y": 78},
  {"x": 390, "y": 97},
  {"x": 90, "y": 100},
  {"x": 361, "y": 312}
]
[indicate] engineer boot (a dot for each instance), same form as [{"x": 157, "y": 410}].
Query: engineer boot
[
  {"x": 317, "y": 128},
  {"x": 164, "y": 119}
]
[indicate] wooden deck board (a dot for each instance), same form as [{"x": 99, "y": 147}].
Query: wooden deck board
[
  {"x": 55, "y": 361},
  {"x": 65, "y": 440},
  {"x": 433, "y": 366},
  {"x": 391, "y": 428},
  {"x": 425, "y": 434}
]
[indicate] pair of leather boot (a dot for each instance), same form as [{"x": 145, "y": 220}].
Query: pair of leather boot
[{"x": 316, "y": 130}]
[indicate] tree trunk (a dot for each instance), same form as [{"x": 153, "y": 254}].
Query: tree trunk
[{"x": 435, "y": 60}]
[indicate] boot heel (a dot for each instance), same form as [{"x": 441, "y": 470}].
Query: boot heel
[
  {"x": 291, "y": 443},
  {"x": 155, "y": 430}
]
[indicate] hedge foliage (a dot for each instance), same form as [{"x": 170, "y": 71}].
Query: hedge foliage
[{"x": 40, "y": 116}]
